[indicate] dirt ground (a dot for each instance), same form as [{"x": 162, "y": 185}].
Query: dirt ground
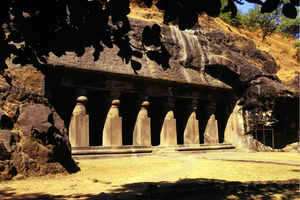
[{"x": 155, "y": 177}]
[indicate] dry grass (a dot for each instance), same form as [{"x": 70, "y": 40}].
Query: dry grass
[
  {"x": 95, "y": 175},
  {"x": 274, "y": 156},
  {"x": 243, "y": 171},
  {"x": 116, "y": 171}
]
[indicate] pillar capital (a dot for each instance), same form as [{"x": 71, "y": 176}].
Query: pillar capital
[
  {"x": 113, "y": 94},
  {"x": 80, "y": 108},
  {"x": 144, "y": 97},
  {"x": 193, "y": 101},
  {"x": 191, "y": 107},
  {"x": 112, "y": 102},
  {"x": 169, "y": 99},
  {"x": 81, "y": 91},
  {"x": 211, "y": 107},
  {"x": 142, "y": 104}
]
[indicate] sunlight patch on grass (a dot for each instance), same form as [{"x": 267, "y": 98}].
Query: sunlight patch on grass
[
  {"x": 275, "y": 156},
  {"x": 243, "y": 171},
  {"x": 118, "y": 171}
]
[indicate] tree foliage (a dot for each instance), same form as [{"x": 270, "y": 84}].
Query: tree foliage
[
  {"x": 267, "y": 22},
  {"x": 236, "y": 21},
  {"x": 289, "y": 27},
  {"x": 255, "y": 19},
  {"x": 31, "y": 29}
]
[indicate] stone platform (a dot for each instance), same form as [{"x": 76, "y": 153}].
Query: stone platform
[{"x": 98, "y": 152}]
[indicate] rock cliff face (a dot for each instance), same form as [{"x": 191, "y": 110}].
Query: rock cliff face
[
  {"x": 33, "y": 138},
  {"x": 209, "y": 57},
  {"x": 205, "y": 57}
]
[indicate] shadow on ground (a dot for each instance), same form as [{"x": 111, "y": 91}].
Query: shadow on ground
[{"x": 182, "y": 189}]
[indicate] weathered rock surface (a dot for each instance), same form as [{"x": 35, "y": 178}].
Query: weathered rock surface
[
  {"x": 294, "y": 147},
  {"x": 33, "y": 139},
  {"x": 209, "y": 57},
  {"x": 206, "y": 57}
]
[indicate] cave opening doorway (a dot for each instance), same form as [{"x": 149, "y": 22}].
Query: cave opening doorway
[
  {"x": 180, "y": 114},
  {"x": 222, "y": 116},
  {"x": 128, "y": 111},
  {"x": 63, "y": 100},
  {"x": 96, "y": 110},
  {"x": 155, "y": 115},
  {"x": 202, "y": 119}
]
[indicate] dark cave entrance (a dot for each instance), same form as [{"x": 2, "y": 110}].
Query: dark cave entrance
[
  {"x": 96, "y": 110},
  {"x": 180, "y": 114},
  {"x": 201, "y": 116},
  {"x": 128, "y": 111},
  {"x": 63, "y": 100},
  {"x": 155, "y": 115}
]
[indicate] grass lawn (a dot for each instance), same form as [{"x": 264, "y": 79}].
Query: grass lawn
[{"x": 158, "y": 177}]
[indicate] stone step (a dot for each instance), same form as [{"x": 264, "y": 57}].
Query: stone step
[
  {"x": 109, "y": 156},
  {"x": 98, "y": 152},
  {"x": 205, "y": 147},
  {"x": 93, "y": 151}
]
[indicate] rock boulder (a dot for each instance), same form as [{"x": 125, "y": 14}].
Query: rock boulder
[{"x": 33, "y": 138}]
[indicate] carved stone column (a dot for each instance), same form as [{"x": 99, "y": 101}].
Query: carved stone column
[
  {"x": 112, "y": 131},
  {"x": 168, "y": 134},
  {"x": 211, "y": 134},
  {"x": 79, "y": 124},
  {"x": 191, "y": 131},
  {"x": 142, "y": 128}
]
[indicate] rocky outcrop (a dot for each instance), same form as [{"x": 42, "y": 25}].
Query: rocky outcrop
[
  {"x": 204, "y": 57},
  {"x": 33, "y": 138},
  {"x": 209, "y": 57}
]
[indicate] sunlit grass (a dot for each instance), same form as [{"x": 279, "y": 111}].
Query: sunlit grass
[
  {"x": 275, "y": 156},
  {"x": 243, "y": 171},
  {"x": 138, "y": 170}
]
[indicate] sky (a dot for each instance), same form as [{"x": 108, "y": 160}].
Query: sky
[{"x": 245, "y": 7}]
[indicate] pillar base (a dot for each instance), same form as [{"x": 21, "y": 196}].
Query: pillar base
[
  {"x": 168, "y": 135},
  {"x": 191, "y": 132},
  {"x": 211, "y": 134},
  {"x": 79, "y": 131},
  {"x": 142, "y": 132},
  {"x": 112, "y": 133}
]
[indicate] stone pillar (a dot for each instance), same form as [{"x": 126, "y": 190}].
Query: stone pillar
[
  {"x": 79, "y": 124},
  {"x": 142, "y": 128},
  {"x": 112, "y": 131},
  {"x": 191, "y": 131},
  {"x": 211, "y": 134},
  {"x": 168, "y": 134}
]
